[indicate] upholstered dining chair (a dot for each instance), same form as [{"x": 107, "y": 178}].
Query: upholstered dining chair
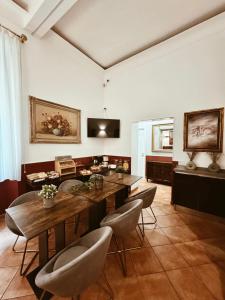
[
  {"x": 66, "y": 186},
  {"x": 147, "y": 196},
  {"x": 77, "y": 266},
  {"x": 123, "y": 221},
  {"x": 13, "y": 227}
]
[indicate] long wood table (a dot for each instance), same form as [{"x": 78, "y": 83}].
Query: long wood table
[
  {"x": 126, "y": 179},
  {"x": 34, "y": 220}
]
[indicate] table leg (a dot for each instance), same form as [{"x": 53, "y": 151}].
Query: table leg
[
  {"x": 96, "y": 213},
  {"x": 60, "y": 239},
  {"x": 121, "y": 196},
  {"x": 43, "y": 248}
]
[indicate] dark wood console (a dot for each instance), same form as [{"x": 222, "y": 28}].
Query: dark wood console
[
  {"x": 159, "y": 171},
  {"x": 199, "y": 189}
]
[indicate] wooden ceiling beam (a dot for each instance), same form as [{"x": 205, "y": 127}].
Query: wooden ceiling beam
[{"x": 47, "y": 15}]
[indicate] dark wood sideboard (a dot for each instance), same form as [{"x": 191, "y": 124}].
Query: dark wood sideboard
[
  {"x": 199, "y": 189},
  {"x": 159, "y": 171}
]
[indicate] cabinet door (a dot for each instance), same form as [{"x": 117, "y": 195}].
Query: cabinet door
[
  {"x": 212, "y": 198},
  {"x": 185, "y": 189},
  {"x": 166, "y": 174},
  {"x": 149, "y": 170}
]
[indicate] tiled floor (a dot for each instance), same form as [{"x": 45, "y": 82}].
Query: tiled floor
[{"x": 183, "y": 258}]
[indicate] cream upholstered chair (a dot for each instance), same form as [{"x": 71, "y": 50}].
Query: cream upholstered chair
[
  {"x": 13, "y": 227},
  {"x": 123, "y": 221},
  {"x": 66, "y": 186},
  {"x": 147, "y": 196},
  {"x": 77, "y": 266}
]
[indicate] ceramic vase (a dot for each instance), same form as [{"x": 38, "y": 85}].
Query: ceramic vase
[{"x": 48, "y": 203}]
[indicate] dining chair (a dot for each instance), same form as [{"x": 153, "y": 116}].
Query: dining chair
[
  {"x": 67, "y": 187},
  {"x": 123, "y": 221},
  {"x": 77, "y": 266},
  {"x": 147, "y": 196},
  {"x": 30, "y": 196}
]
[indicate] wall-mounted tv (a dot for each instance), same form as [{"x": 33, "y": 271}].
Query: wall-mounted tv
[{"x": 103, "y": 128}]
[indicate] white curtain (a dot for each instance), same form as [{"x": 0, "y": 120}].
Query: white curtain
[{"x": 10, "y": 107}]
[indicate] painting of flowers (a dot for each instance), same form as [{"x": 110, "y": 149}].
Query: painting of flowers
[
  {"x": 53, "y": 123},
  {"x": 203, "y": 130}
]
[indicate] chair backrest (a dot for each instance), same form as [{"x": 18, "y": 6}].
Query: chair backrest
[
  {"x": 19, "y": 200},
  {"x": 127, "y": 218},
  {"x": 74, "y": 277},
  {"x": 67, "y": 185},
  {"x": 147, "y": 196}
]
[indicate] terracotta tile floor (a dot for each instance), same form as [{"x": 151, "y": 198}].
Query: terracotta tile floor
[{"x": 183, "y": 258}]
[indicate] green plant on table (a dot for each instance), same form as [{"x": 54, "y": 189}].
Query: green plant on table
[
  {"x": 119, "y": 169},
  {"x": 86, "y": 186}
]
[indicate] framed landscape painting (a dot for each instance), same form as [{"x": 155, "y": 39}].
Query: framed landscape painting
[
  {"x": 203, "y": 130},
  {"x": 53, "y": 123}
]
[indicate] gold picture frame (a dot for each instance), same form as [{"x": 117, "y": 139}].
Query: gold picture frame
[
  {"x": 53, "y": 123},
  {"x": 203, "y": 130}
]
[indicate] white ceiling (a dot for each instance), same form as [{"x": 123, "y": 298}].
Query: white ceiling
[{"x": 110, "y": 31}]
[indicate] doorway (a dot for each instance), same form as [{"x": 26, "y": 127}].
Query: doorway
[{"x": 150, "y": 139}]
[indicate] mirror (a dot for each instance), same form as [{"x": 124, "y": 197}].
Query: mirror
[{"x": 162, "y": 138}]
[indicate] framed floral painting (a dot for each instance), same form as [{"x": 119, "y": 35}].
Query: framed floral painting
[
  {"x": 53, "y": 123},
  {"x": 203, "y": 130}
]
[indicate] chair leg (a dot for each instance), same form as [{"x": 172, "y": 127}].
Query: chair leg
[
  {"x": 108, "y": 290},
  {"x": 23, "y": 272},
  {"x": 124, "y": 265},
  {"x": 153, "y": 215},
  {"x": 142, "y": 230},
  {"x": 146, "y": 223},
  {"x": 122, "y": 255},
  {"x": 42, "y": 295},
  {"x": 14, "y": 245}
]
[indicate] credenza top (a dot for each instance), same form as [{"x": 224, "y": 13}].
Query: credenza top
[{"x": 202, "y": 172}]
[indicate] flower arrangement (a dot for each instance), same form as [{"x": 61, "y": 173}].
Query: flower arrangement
[
  {"x": 48, "y": 191},
  {"x": 56, "y": 124}
]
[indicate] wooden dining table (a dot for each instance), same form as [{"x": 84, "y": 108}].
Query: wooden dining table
[
  {"x": 34, "y": 220},
  {"x": 126, "y": 179}
]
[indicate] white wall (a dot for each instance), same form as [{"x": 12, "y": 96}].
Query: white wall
[
  {"x": 183, "y": 74},
  {"x": 54, "y": 70}
]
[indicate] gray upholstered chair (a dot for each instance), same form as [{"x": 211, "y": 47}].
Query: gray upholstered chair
[
  {"x": 13, "y": 227},
  {"x": 77, "y": 266},
  {"x": 123, "y": 221},
  {"x": 147, "y": 196},
  {"x": 66, "y": 186}
]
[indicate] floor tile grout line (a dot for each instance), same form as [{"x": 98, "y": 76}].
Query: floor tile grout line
[
  {"x": 178, "y": 296},
  {"x": 9, "y": 283},
  {"x": 204, "y": 284}
]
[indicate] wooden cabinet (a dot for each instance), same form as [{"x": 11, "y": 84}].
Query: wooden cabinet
[
  {"x": 200, "y": 190},
  {"x": 159, "y": 171}
]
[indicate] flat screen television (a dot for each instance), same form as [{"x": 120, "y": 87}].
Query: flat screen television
[{"x": 103, "y": 128}]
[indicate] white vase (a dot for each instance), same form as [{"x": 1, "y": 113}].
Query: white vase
[
  {"x": 48, "y": 203},
  {"x": 120, "y": 175},
  {"x": 56, "y": 131}
]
